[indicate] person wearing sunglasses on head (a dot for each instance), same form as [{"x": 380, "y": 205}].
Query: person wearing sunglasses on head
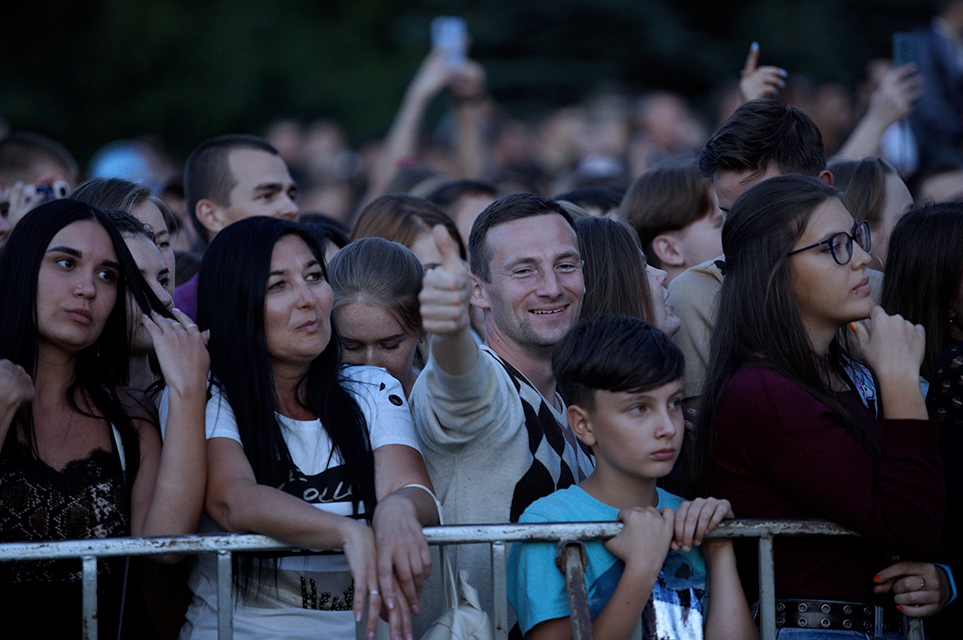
[{"x": 792, "y": 427}]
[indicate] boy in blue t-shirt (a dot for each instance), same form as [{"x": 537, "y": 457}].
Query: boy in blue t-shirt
[{"x": 622, "y": 379}]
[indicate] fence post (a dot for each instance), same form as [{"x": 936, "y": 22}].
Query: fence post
[
  {"x": 500, "y": 589},
  {"x": 225, "y": 607},
  {"x": 571, "y": 561},
  {"x": 767, "y": 588},
  {"x": 90, "y": 597},
  {"x": 915, "y": 629}
]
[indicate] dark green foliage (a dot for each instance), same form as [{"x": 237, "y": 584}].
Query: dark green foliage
[{"x": 86, "y": 72}]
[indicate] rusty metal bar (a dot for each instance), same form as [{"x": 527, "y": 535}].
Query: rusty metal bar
[
  {"x": 225, "y": 604},
  {"x": 767, "y": 589},
  {"x": 89, "y": 597},
  {"x": 449, "y": 534},
  {"x": 915, "y": 630},
  {"x": 571, "y": 561},
  {"x": 500, "y": 589},
  {"x": 497, "y": 535}
]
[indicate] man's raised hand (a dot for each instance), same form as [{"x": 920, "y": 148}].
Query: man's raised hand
[{"x": 446, "y": 289}]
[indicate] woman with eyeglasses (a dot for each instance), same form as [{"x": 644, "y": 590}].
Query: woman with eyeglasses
[{"x": 792, "y": 427}]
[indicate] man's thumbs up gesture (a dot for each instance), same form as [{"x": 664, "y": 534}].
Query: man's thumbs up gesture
[{"x": 446, "y": 290}]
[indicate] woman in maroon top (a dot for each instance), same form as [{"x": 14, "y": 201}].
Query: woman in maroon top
[{"x": 791, "y": 427}]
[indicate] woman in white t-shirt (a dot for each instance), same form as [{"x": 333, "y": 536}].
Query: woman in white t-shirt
[{"x": 303, "y": 449}]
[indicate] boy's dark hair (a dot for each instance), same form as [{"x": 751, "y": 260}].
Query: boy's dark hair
[
  {"x": 613, "y": 353},
  {"x": 513, "y": 207},
  {"x": 667, "y": 197},
  {"x": 761, "y": 133}
]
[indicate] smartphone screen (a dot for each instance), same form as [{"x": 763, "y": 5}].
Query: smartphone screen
[
  {"x": 905, "y": 48},
  {"x": 450, "y": 34}
]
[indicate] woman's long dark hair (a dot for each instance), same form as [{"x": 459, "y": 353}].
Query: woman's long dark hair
[
  {"x": 924, "y": 270},
  {"x": 231, "y": 291},
  {"x": 615, "y": 265},
  {"x": 758, "y": 319},
  {"x": 100, "y": 368}
]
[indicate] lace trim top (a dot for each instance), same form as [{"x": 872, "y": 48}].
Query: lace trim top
[{"x": 86, "y": 499}]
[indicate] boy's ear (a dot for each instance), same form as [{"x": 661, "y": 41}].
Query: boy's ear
[
  {"x": 669, "y": 250},
  {"x": 580, "y": 422}
]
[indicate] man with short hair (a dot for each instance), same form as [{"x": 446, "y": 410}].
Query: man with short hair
[
  {"x": 229, "y": 178},
  {"x": 491, "y": 424},
  {"x": 762, "y": 139}
]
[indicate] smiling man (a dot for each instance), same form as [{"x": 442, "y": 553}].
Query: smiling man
[{"x": 492, "y": 426}]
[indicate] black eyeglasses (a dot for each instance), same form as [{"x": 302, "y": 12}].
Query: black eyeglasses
[{"x": 841, "y": 244}]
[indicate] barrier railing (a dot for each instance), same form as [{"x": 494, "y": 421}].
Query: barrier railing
[{"x": 498, "y": 536}]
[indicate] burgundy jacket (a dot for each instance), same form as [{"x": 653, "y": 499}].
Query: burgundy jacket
[{"x": 779, "y": 453}]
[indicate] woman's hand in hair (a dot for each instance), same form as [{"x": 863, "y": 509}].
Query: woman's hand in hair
[
  {"x": 919, "y": 588},
  {"x": 16, "y": 388},
  {"x": 181, "y": 350}
]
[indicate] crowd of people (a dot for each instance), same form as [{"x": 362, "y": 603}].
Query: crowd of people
[{"x": 647, "y": 324}]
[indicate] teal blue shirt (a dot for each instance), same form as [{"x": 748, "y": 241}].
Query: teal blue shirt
[{"x": 536, "y": 588}]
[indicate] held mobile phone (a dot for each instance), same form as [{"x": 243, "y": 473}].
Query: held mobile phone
[
  {"x": 450, "y": 34},
  {"x": 905, "y": 48},
  {"x": 46, "y": 192}
]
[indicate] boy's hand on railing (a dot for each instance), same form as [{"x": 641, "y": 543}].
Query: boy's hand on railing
[
  {"x": 644, "y": 539},
  {"x": 919, "y": 588},
  {"x": 694, "y": 519}
]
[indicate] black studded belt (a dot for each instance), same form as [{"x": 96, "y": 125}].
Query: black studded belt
[{"x": 841, "y": 616}]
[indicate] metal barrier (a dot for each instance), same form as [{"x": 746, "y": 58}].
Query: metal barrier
[{"x": 497, "y": 535}]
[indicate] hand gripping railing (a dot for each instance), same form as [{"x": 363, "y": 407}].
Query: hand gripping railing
[{"x": 498, "y": 535}]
